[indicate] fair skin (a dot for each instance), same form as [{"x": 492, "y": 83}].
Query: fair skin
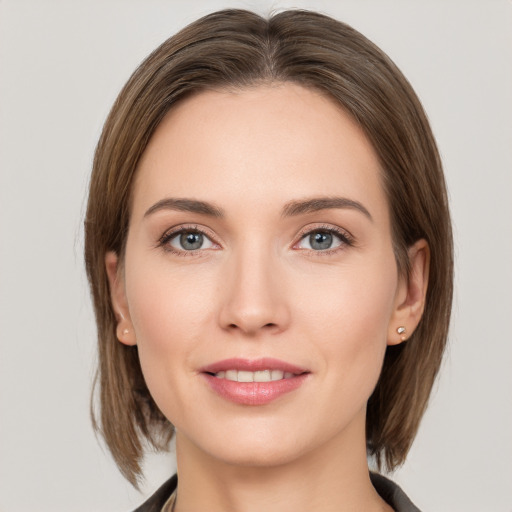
[{"x": 260, "y": 272}]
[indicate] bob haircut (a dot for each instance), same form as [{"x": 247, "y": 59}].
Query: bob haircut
[{"x": 234, "y": 50}]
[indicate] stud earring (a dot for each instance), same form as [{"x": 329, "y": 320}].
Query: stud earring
[
  {"x": 401, "y": 330},
  {"x": 126, "y": 331}
]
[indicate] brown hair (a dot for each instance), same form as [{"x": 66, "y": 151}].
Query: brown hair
[{"x": 235, "y": 48}]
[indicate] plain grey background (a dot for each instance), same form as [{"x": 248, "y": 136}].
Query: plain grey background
[{"x": 62, "y": 63}]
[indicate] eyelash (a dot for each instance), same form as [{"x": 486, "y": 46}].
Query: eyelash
[
  {"x": 164, "y": 240},
  {"x": 347, "y": 240}
]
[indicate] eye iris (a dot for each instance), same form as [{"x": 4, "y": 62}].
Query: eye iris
[
  {"x": 191, "y": 241},
  {"x": 320, "y": 240}
]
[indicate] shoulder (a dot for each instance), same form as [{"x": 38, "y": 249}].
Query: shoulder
[
  {"x": 158, "y": 499},
  {"x": 392, "y": 494}
]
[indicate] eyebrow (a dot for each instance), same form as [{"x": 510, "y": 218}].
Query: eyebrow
[
  {"x": 291, "y": 209},
  {"x": 186, "y": 205},
  {"x": 316, "y": 204}
]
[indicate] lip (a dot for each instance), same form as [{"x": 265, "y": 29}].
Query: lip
[
  {"x": 253, "y": 393},
  {"x": 252, "y": 365}
]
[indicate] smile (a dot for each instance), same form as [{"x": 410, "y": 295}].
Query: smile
[
  {"x": 259, "y": 376},
  {"x": 253, "y": 382}
]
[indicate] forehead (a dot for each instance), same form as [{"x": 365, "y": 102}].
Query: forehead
[{"x": 264, "y": 144}]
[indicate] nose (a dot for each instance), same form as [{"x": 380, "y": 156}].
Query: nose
[{"x": 253, "y": 293}]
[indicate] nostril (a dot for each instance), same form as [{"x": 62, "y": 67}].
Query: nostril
[{"x": 269, "y": 325}]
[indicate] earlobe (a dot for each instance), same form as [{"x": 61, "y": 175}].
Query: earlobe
[
  {"x": 411, "y": 295},
  {"x": 124, "y": 330}
]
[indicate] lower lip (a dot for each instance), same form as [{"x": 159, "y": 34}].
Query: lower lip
[{"x": 254, "y": 393}]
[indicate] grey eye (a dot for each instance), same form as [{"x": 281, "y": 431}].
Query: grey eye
[
  {"x": 190, "y": 241},
  {"x": 320, "y": 240}
]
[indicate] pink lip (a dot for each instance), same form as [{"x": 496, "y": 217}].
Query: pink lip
[
  {"x": 253, "y": 393},
  {"x": 254, "y": 365}
]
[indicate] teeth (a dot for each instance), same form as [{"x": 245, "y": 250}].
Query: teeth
[
  {"x": 259, "y": 376},
  {"x": 232, "y": 374},
  {"x": 245, "y": 376},
  {"x": 262, "y": 376},
  {"x": 276, "y": 375}
]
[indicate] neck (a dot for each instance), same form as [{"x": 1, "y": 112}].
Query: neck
[{"x": 333, "y": 477}]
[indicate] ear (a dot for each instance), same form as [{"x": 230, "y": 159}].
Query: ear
[
  {"x": 124, "y": 331},
  {"x": 411, "y": 293}
]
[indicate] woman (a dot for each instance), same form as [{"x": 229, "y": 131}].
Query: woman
[{"x": 269, "y": 250}]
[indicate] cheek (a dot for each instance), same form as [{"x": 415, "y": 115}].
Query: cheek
[
  {"x": 169, "y": 313},
  {"x": 348, "y": 317},
  {"x": 165, "y": 303},
  {"x": 355, "y": 299}
]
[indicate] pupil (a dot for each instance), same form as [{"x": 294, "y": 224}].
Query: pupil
[
  {"x": 319, "y": 241},
  {"x": 191, "y": 241}
]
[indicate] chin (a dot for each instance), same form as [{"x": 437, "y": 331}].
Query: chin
[
  {"x": 246, "y": 445},
  {"x": 257, "y": 456}
]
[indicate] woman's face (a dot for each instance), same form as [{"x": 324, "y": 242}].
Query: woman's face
[{"x": 259, "y": 248}]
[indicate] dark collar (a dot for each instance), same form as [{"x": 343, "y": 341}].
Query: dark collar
[
  {"x": 388, "y": 491},
  {"x": 158, "y": 499},
  {"x": 392, "y": 494}
]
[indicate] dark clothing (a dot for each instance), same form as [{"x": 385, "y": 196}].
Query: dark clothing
[
  {"x": 392, "y": 494},
  {"x": 158, "y": 499},
  {"x": 388, "y": 491}
]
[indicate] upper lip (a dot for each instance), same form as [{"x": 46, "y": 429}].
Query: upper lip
[{"x": 252, "y": 365}]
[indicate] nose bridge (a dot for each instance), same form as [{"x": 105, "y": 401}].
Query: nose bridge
[{"x": 254, "y": 296}]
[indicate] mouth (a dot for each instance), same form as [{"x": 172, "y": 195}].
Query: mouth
[
  {"x": 253, "y": 382},
  {"x": 258, "y": 376}
]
